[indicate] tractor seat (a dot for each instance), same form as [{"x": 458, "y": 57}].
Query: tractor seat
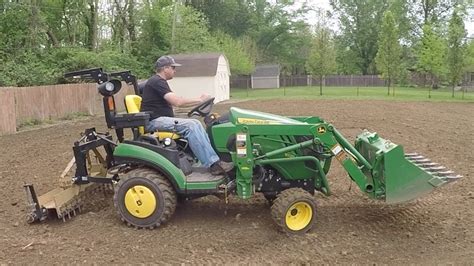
[{"x": 133, "y": 104}]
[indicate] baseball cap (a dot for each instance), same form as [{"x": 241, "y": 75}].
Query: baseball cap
[{"x": 164, "y": 61}]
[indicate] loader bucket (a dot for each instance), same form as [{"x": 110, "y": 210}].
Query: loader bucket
[{"x": 401, "y": 177}]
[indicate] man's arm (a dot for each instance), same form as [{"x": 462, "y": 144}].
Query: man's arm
[{"x": 178, "y": 101}]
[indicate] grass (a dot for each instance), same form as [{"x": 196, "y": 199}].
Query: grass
[
  {"x": 76, "y": 115},
  {"x": 377, "y": 93},
  {"x": 35, "y": 122}
]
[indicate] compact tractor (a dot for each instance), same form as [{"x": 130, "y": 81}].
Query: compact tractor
[{"x": 286, "y": 159}]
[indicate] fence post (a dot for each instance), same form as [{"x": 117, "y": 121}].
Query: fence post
[{"x": 248, "y": 86}]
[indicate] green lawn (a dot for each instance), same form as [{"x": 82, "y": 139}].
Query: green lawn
[{"x": 380, "y": 93}]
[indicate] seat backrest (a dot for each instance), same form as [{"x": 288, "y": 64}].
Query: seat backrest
[
  {"x": 133, "y": 104},
  {"x": 141, "y": 86}
]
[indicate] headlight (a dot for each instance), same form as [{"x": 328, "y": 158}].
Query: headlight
[{"x": 109, "y": 86}]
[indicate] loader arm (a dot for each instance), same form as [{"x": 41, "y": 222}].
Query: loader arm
[
  {"x": 324, "y": 134},
  {"x": 379, "y": 167}
]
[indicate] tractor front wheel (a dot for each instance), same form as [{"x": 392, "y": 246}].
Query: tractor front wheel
[
  {"x": 294, "y": 211},
  {"x": 144, "y": 198}
]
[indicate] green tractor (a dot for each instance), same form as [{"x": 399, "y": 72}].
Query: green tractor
[{"x": 284, "y": 158}]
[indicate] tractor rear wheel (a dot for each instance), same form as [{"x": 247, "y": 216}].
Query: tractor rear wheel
[
  {"x": 144, "y": 198},
  {"x": 294, "y": 211}
]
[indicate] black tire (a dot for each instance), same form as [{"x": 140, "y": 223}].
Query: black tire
[
  {"x": 270, "y": 198},
  {"x": 159, "y": 190},
  {"x": 288, "y": 202}
]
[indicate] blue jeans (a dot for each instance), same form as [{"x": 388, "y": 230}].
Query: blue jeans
[{"x": 193, "y": 131}]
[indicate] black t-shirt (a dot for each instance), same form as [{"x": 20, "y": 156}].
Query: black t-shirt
[{"x": 153, "y": 98}]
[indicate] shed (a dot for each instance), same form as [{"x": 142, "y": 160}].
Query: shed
[
  {"x": 266, "y": 76},
  {"x": 202, "y": 73}
]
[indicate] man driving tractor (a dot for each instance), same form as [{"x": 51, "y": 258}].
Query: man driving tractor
[{"x": 159, "y": 100}]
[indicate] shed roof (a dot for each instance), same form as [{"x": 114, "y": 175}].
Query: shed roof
[
  {"x": 266, "y": 71},
  {"x": 197, "y": 65}
]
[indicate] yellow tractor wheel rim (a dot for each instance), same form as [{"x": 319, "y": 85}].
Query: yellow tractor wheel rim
[
  {"x": 140, "y": 201},
  {"x": 299, "y": 216}
]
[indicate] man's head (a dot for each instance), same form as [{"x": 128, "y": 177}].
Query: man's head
[{"x": 165, "y": 66}]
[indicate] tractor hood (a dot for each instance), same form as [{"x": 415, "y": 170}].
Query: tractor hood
[{"x": 242, "y": 116}]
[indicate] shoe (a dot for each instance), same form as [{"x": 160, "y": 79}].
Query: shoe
[{"x": 220, "y": 168}]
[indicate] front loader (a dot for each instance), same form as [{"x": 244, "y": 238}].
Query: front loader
[{"x": 286, "y": 159}]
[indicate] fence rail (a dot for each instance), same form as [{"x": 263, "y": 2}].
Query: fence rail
[
  {"x": 308, "y": 80},
  {"x": 340, "y": 81}
]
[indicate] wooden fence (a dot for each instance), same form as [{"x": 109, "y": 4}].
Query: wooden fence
[{"x": 18, "y": 105}]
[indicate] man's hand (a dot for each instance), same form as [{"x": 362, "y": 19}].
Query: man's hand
[{"x": 204, "y": 97}]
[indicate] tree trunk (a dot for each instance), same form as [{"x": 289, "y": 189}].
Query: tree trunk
[
  {"x": 131, "y": 26},
  {"x": 388, "y": 86},
  {"x": 173, "y": 27},
  {"x": 92, "y": 25},
  {"x": 431, "y": 86},
  {"x": 52, "y": 38},
  {"x": 321, "y": 78},
  {"x": 34, "y": 23}
]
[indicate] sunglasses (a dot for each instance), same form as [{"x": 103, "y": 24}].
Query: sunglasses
[{"x": 173, "y": 67}]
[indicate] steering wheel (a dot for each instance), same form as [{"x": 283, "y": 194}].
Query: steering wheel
[{"x": 203, "y": 109}]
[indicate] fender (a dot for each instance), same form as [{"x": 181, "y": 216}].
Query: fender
[{"x": 128, "y": 153}]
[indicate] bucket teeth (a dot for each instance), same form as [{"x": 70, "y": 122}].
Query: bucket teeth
[
  {"x": 452, "y": 178},
  {"x": 415, "y": 157},
  {"x": 435, "y": 169},
  {"x": 445, "y": 173},
  {"x": 429, "y": 165},
  {"x": 421, "y": 161}
]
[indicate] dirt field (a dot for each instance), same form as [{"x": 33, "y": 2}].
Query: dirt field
[{"x": 436, "y": 229}]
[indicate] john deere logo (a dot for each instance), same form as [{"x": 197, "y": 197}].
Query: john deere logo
[{"x": 321, "y": 130}]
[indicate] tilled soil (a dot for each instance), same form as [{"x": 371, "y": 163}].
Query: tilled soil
[{"x": 435, "y": 229}]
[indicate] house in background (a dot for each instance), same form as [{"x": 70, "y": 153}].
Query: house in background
[
  {"x": 266, "y": 76},
  {"x": 202, "y": 73}
]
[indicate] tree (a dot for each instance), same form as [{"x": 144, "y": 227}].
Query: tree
[
  {"x": 91, "y": 23},
  {"x": 240, "y": 61},
  {"x": 281, "y": 35},
  {"x": 456, "y": 49},
  {"x": 431, "y": 56},
  {"x": 360, "y": 22},
  {"x": 322, "y": 59},
  {"x": 154, "y": 33},
  {"x": 231, "y": 16},
  {"x": 433, "y": 12},
  {"x": 388, "y": 57},
  {"x": 191, "y": 31}
]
